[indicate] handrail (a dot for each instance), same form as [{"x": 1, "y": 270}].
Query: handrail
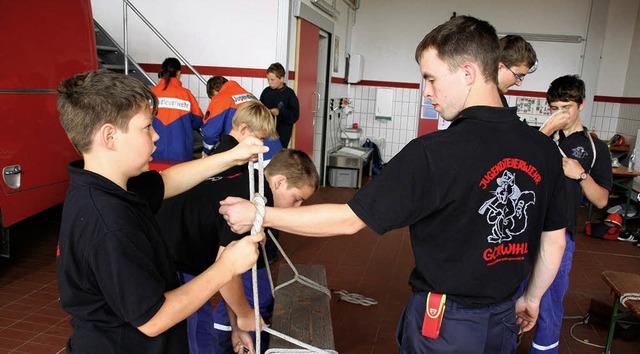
[
  {"x": 126, "y": 56},
  {"x": 128, "y": 3}
]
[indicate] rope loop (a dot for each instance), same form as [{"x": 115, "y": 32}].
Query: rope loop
[
  {"x": 355, "y": 298},
  {"x": 260, "y": 202},
  {"x": 629, "y": 297}
]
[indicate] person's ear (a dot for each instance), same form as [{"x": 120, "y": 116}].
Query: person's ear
[
  {"x": 280, "y": 181},
  {"x": 243, "y": 129},
  {"x": 581, "y": 106},
  {"x": 107, "y": 135},
  {"x": 470, "y": 71}
]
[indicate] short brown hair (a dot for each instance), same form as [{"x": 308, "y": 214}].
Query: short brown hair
[
  {"x": 277, "y": 69},
  {"x": 215, "y": 84},
  {"x": 257, "y": 117},
  {"x": 515, "y": 51},
  {"x": 297, "y": 166},
  {"x": 90, "y": 100},
  {"x": 568, "y": 88},
  {"x": 464, "y": 38}
]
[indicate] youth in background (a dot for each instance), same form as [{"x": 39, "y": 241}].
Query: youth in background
[
  {"x": 282, "y": 102},
  {"x": 178, "y": 114}
]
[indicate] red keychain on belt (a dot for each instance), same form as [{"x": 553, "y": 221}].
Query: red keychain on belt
[{"x": 433, "y": 315}]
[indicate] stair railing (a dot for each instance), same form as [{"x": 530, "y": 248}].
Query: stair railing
[{"x": 127, "y": 4}]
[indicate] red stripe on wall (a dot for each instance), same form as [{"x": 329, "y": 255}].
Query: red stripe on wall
[
  {"x": 339, "y": 80},
  {"x": 629, "y": 100},
  {"x": 527, "y": 93},
  {"x": 212, "y": 70},
  {"x": 261, "y": 73}
]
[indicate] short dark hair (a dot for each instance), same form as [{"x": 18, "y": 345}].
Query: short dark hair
[
  {"x": 215, "y": 84},
  {"x": 568, "y": 88},
  {"x": 464, "y": 38},
  {"x": 277, "y": 69},
  {"x": 297, "y": 166},
  {"x": 90, "y": 100},
  {"x": 515, "y": 51}
]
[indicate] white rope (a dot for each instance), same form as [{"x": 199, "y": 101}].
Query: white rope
[
  {"x": 296, "y": 275},
  {"x": 297, "y": 351},
  {"x": 259, "y": 201},
  {"x": 629, "y": 297},
  {"x": 355, "y": 298}
]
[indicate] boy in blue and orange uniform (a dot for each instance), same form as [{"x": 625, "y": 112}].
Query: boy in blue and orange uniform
[
  {"x": 226, "y": 97},
  {"x": 178, "y": 115}
]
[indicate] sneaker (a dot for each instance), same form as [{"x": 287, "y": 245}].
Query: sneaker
[{"x": 627, "y": 236}]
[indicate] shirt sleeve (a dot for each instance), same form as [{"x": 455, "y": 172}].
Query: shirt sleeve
[
  {"x": 148, "y": 186},
  {"x": 404, "y": 192},
  {"x": 291, "y": 111},
  {"x": 601, "y": 171}
]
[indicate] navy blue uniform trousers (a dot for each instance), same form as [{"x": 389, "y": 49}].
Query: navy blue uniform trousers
[{"x": 489, "y": 329}]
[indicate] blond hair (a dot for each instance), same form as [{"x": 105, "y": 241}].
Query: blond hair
[{"x": 257, "y": 117}]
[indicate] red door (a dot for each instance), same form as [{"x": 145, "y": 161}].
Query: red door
[{"x": 306, "y": 83}]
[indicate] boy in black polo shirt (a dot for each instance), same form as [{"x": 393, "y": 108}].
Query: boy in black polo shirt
[
  {"x": 196, "y": 231},
  {"x": 114, "y": 273},
  {"x": 587, "y": 170},
  {"x": 190, "y": 221}
]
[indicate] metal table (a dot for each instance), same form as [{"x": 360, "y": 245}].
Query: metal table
[{"x": 343, "y": 159}]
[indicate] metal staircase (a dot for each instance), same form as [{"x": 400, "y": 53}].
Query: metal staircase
[{"x": 111, "y": 57}]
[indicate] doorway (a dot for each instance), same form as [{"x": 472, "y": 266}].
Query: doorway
[{"x": 313, "y": 57}]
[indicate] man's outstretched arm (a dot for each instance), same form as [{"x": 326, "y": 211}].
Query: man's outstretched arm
[{"x": 317, "y": 220}]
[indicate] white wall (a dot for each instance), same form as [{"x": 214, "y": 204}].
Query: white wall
[
  {"x": 632, "y": 83},
  {"x": 387, "y": 33},
  {"x": 223, "y": 33},
  {"x": 243, "y": 34},
  {"x": 621, "y": 23}
]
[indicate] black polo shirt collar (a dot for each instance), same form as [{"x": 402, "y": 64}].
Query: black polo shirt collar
[
  {"x": 86, "y": 178},
  {"x": 488, "y": 114}
]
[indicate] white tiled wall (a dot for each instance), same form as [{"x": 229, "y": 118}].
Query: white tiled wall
[
  {"x": 390, "y": 135},
  {"x": 607, "y": 118}
]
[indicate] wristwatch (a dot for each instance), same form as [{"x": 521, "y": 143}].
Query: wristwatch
[{"x": 582, "y": 176}]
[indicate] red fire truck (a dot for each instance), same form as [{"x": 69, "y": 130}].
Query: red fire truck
[{"x": 43, "y": 43}]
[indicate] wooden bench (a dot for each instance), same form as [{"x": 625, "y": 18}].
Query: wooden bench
[
  {"x": 620, "y": 284},
  {"x": 300, "y": 311}
]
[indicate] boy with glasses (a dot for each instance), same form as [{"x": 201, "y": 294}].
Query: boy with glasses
[{"x": 517, "y": 59}]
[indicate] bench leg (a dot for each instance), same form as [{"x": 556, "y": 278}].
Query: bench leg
[{"x": 612, "y": 325}]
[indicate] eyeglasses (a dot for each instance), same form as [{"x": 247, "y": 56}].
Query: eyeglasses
[{"x": 518, "y": 77}]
